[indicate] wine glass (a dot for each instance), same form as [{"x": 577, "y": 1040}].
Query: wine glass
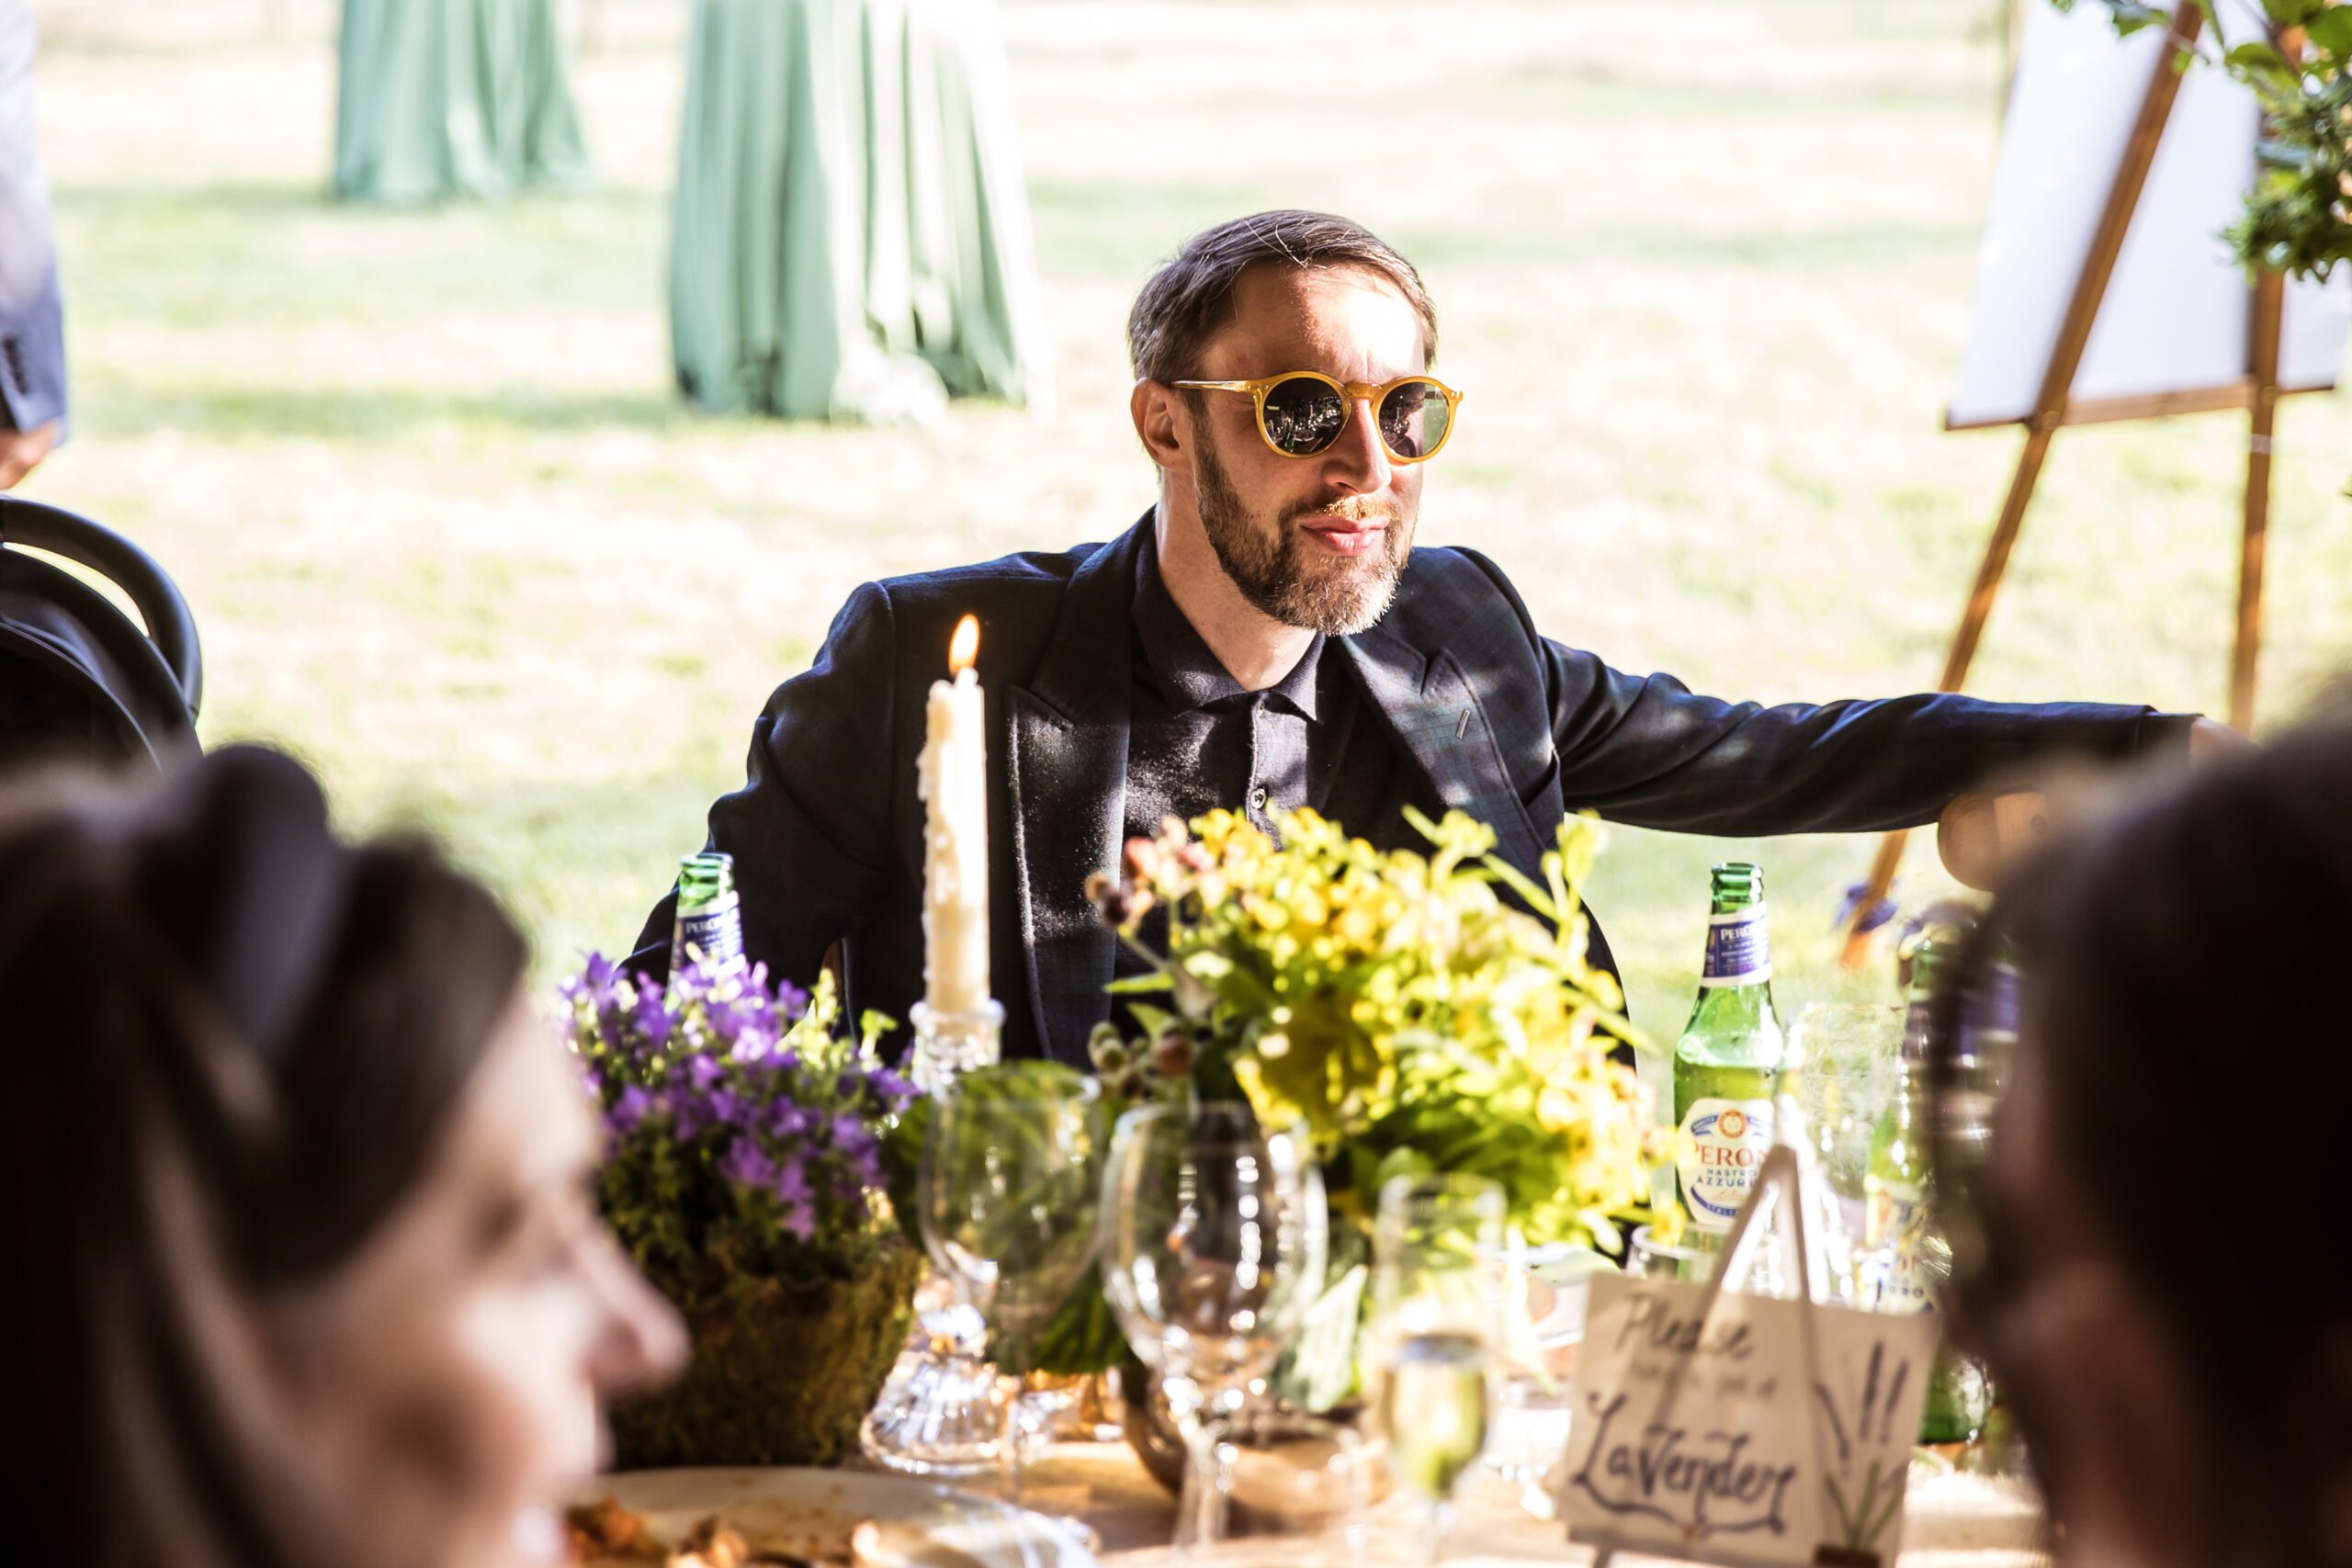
[
  {"x": 1649, "y": 1257},
  {"x": 1274, "y": 1486},
  {"x": 1840, "y": 1071},
  {"x": 1437, "y": 1324},
  {"x": 1008, "y": 1188},
  {"x": 1215, "y": 1238}
]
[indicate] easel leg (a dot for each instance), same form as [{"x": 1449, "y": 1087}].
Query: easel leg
[
  {"x": 2250, "y": 564},
  {"x": 1996, "y": 559},
  {"x": 1989, "y": 574},
  {"x": 2269, "y": 304},
  {"x": 1882, "y": 869}
]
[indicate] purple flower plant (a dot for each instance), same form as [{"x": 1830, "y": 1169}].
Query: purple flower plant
[{"x": 741, "y": 1085}]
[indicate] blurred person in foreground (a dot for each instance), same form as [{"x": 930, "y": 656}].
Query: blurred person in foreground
[
  {"x": 300, "y": 1264},
  {"x": 2169, "y": 1054},
  {"x": 1269, "y": 636},
  {"x": 32, "y": 331}
]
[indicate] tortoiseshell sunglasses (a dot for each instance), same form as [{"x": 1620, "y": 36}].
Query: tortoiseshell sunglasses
[{"x": 1302, "y": 413}]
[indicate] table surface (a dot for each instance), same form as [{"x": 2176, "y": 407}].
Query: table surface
[{"x": 1954, "y": 1520}]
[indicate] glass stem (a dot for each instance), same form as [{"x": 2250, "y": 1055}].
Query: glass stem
[
  {"x": 1436, "y": 1519},
  {"x": 1010, "y": 1443},
  {"x": 1188, "y": 1409}
]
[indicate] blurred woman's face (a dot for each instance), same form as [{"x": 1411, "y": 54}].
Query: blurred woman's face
[
  {"x": 2096, "y": 1382},
  {"x": 449, "y": 1377}
]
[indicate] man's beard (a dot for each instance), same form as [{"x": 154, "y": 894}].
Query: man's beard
[{"x": 1338, "y": 597}]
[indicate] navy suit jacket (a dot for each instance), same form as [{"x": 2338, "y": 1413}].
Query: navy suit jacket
[
  {"x": 1502, "y": 722},
  {"x": 32, "y": 336}
]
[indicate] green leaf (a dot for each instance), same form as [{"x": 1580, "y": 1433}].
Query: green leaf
[
  {"x": 1019, "y": 1080},
  {"x": 2256, "y": 61},
  {"x": 902, "y": 1166},
  {"x": 1517, "y": 881},
  {"x": 2330, "y": 32},
  {"x": 1213, "y": 1076},
  {"x": 1141, "y": 984},
  {"x": 1320, "y": 1370},
  {"x": 1083, "y": 1335},
  {"x": 2285, "y": 14}
]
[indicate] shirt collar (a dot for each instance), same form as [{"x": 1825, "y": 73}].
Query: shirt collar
[{"x": 1188, "y": 675}]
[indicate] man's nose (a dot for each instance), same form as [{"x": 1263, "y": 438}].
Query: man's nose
[{"x": 1357, "y": 460}]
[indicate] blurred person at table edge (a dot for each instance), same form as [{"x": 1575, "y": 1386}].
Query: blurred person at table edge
[
  {"x": 1267, "y": 637},
  {"x": 32, "y": 333},
  {"x": 299, "y": 1265},
  {"x": 2172, "y": 1025}
]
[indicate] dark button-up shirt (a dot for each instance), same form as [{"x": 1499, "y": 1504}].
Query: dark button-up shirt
[{"x": 1198, "y": 739}]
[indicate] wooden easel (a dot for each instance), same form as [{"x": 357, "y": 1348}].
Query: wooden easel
[{"x": 2257, "y": 391}]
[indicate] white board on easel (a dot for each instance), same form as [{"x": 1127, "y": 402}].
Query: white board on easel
[{"x": 2176, "y": 324}]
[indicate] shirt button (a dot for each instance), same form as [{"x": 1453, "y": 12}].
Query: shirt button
[{"x": 1258, "y": 798}]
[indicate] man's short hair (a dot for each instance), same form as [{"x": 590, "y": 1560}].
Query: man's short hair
[{"x": 1192, "y": 294}]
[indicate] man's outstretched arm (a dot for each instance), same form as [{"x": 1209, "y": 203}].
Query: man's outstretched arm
[
  {"x": 1647, "y": 750},
  {"x": 811, "y": 828}
]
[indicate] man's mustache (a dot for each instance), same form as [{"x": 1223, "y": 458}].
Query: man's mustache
[{"x": 1358, "y": 509}]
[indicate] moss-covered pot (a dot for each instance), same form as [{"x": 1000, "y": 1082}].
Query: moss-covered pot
[{"x": 779, "y": 1374}]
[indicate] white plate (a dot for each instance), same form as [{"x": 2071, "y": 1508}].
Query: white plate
[{"x": 822, "y": 1507}]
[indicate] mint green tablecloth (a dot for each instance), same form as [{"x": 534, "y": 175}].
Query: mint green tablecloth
[
  {"x": 850, "y": 232},
  {"x": 442, "y": 98}
]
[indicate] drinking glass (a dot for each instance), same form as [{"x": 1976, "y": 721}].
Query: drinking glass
[
  {"x": 1007, "y": 1193},
  {"x": 1544, "y": 1306},
  {"x": 1648, "y": 1257},
  {"x": 1215, "y": 1238},
  {"x": 1275, "y": 1485},
  {"x": 1437, "y": 1325},
  {"x": 1835, "y": 1086}
]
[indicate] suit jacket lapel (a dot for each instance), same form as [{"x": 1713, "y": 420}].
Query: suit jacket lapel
[
  {"x": 1068, "y": 777},
  {"x": 1439, "y": 722}
]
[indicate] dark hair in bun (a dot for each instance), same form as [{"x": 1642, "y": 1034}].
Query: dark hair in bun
[{"x": 233, "y": 1044}]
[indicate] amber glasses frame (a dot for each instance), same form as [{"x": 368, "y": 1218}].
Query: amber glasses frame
[{"x": 1351, "y": 393}]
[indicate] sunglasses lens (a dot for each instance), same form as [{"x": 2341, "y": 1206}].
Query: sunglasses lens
[
  {"x": 1302, "y": 416},
  {"x": 1413, "y": 418}
]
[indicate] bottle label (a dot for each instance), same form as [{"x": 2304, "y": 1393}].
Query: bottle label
[
  {"x": 1739, "y": 950},
  {"x": 1723, "y": 1145},
  {"x": 714, "y": 930},
  {"x": 1894, "y": 1218}
]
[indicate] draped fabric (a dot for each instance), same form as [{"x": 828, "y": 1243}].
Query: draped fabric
[
  {"x": 851, "y": 230},
  {"x": 444, "y": 98}
]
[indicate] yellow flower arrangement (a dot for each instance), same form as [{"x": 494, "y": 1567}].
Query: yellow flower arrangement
[{"x": 1418, "y": 1012}]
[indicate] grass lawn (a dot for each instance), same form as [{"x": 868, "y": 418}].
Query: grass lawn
[{"x": 449, "y": 536}]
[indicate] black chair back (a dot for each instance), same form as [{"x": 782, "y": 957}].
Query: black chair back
[{"x": 78, "y": 678}]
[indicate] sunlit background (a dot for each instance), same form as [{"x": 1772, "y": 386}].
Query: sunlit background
[{"x": 1704, "y": 270}]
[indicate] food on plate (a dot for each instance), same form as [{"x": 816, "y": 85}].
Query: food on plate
[
  {"x": 712, "y": 1544},
  {"x": 604, "y": 1531},
  {"x": 885, "y": 1543},
  {"x": 753, "y": 1536}
]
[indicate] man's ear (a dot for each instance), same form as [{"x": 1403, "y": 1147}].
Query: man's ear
[{"x": 1161, "y": 422}]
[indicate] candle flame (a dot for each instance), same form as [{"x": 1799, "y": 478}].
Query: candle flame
[{"x": 965, "y": 647}]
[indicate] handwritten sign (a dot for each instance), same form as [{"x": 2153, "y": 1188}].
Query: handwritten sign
[{"x": 1742, "y": 1429}]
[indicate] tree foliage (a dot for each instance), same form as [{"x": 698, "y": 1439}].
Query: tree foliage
[{"x": 2298, "y": 62}]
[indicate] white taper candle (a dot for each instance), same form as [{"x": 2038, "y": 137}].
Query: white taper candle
[{"x": 952, "y": 779}]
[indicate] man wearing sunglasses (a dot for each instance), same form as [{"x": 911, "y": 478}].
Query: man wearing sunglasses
[{"x": 1265, "y": 638}]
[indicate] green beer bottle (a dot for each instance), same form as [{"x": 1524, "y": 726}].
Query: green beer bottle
[
  {"x": 710, "y": 920},
  {"x": 1728, "y": 1059},
  {"x": 1898, "y": 1226}
]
